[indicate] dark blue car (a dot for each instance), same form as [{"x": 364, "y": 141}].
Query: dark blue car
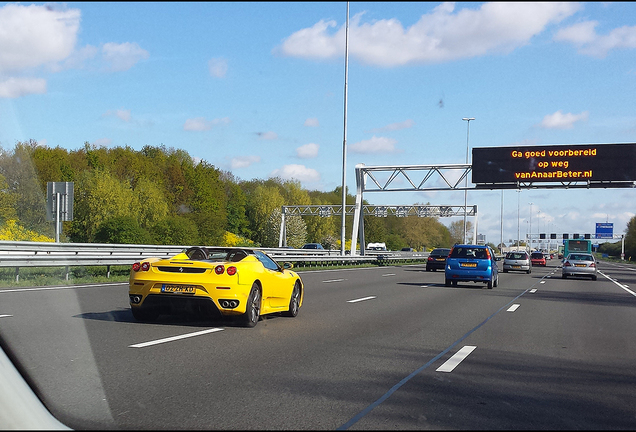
[{"x": 472, "y": 263}]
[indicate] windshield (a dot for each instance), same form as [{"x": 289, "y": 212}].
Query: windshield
[{"x": 238, "y": 215}]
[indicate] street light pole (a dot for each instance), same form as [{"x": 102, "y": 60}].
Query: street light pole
[
  {"x": 344, "y": 144},
  {"x": 539, "y": 228},
  {"x": 467, "y": 120},
  {"x": 518, "y": 234},
  {"x": 530, "y": 228}
]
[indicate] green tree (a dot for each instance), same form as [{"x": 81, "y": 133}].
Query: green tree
[
  {"x": 375, "y": 230},
  {"x": 152, "y": 202},
  {"x": 457, "y": 232},
  {"x": 7, "y": 202},
  {"x": 175, "y": 230},
  {"x": 122, "y": 230},
  {"x": 237, "y": 221},
  {"x": 99, "y": 196},
  {"x": 18, "y": 169},
  {"x": 207, "y": 205},
  {"x": 294, "y": 227},
  {"x": 630, "y": 239},
  {"x": 262, "y": 201}
]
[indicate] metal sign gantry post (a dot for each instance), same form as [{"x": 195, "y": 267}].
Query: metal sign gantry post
[
  {"x": 59, "y": 204},
  {"x": 370, "y": 210},
  {"x": 448, "y": 177}
]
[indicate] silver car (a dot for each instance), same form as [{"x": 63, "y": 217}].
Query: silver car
[
  {"x": 517, "y": 261},
  {"x": 579, "y": 264}
]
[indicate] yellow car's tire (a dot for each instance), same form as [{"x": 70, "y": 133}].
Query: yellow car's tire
[
  {"x": 253, "y": 307},
  {"x": 294, "y": 302}
]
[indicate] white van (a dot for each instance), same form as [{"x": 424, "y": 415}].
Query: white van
[{"x": 376, "y": 246}]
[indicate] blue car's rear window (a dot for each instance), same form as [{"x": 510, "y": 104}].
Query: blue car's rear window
[{"x": 469, "y": 252}]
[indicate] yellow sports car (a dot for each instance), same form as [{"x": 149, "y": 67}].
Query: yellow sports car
[{"x": 221, "y": 281}]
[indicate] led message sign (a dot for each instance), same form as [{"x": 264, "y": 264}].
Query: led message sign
[{"x": 554, "y": 163}]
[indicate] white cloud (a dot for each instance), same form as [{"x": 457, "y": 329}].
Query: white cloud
[
  {"x": 267, "y": 135},
  {"x": 32, "y": 36},
  {"x": 584, "y": 36},
  {"x": 307, "y": 151},
  {"x": 312, "y": 122},
  {"x": 558, "y": 120},
  {"x": 440, "y": 36},
  {"x": 16, "y": 87},
  {"x": 201, "y": 124},
  {"x": 394, "y": 126},
  {"x": 244, "y": 161},
  {"x": 123, "y": 56},
  {"x": 121, "y": 114},
  {"x": 296, "y": 172},
  {"x": 374, "y": 145},
  {"x": 217, "y": 67}
]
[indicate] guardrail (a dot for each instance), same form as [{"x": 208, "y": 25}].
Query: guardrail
[{"x": 19, "y": 254}]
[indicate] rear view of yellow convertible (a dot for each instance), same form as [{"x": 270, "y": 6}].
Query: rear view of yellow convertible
[{"x": 216, "y": 282}]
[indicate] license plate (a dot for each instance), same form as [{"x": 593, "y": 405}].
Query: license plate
[
  {"x": 439, "y": 259},
  {"x": 468, "y": 264},
  {"x": 580, "y": 265},
  {"x": 516, "y": 267},
  {"x": 187, "y": 289}
]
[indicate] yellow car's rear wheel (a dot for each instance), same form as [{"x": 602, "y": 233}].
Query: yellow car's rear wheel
[
  {"x": 253, "y": 308},
  {"x": 294, "y": 302}
]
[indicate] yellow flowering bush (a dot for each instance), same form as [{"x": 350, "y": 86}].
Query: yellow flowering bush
[
  {"x": 231, "y": 240},
  {"x": 12, "y": 231}
]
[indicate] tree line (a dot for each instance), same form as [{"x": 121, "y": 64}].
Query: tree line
[{"x": 160, "y": 195}]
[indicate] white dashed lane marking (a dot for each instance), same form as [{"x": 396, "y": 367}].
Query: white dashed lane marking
[{"x": 456, "y": 359}]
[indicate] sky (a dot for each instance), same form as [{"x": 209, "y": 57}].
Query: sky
[{"x": 258, "y": 89}]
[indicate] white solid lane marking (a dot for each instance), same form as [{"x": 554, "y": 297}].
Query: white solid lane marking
[
  {"x": 533, "y": 290},
  {"x": 5, "y": 316},
  {"x": 388, "y": 274},
  {"x": 456, "y": 359},
  {"x": 513, "y": 308},
  {"x": 620, "y": 285},
  {"x": 61, "y": 287},
  {"x": 333, "y": 280},
  {"x": 174, "y": 338},
  {"x": 360, "y": 299}
]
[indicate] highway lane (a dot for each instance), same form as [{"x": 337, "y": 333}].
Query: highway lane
[{"x": 363, "y": 353}]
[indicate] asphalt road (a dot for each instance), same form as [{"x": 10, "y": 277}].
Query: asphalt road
[{"x": 373, "y": 348}]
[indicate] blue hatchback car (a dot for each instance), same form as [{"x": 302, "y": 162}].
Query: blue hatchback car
[{"x": 472, "y": 263}]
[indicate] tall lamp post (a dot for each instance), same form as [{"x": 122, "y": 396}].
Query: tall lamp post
[
  {"x": 530, "y": 228},
  {"x": 518, "y": 235},
  {"x": 344, "y": 144},
  {"x": 539, "y": 228},
  {"x": 467, "y": 120}
]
